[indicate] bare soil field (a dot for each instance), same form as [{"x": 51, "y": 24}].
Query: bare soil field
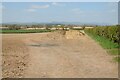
[
  {"x": 55, "y": 55},
  {"x": 14, "y": 57}
]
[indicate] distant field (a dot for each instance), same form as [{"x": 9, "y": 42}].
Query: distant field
[{"x": 24, "y": 31}]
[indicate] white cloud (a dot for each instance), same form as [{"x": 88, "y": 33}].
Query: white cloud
[
  {"x": 34, "y": 8},
  {"x": 54, "y": 3},
  {"x": 57, "y": 4},
  {"x": 77, "y": 10},
  {"x": 31, "y": 10},
  {"x": 40, "y": 6}
]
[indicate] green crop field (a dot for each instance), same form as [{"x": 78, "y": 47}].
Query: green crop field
[{"x": 24, "y": 31}]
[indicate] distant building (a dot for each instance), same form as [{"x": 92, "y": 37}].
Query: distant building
[
  {"x": 66, "y": 28},
  {"x": 53, "y": 28},
  {"x": 36, "y": 28},
  {"x": 89, "y": 27},
  {"x": 3, "y": 28},
  {"x": 79, "y": 27},
  {"x": 59, "y": 25}
]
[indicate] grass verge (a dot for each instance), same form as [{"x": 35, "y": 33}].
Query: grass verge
[{"x": 111, "y": 47}]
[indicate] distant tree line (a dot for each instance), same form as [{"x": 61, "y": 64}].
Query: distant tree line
[{"x": 47, "y": 26}]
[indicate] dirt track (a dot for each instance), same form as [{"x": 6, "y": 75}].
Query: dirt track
[{"x": 51, "y": 56}]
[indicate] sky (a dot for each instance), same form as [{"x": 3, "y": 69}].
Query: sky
[{"x": 39, "y": 12}]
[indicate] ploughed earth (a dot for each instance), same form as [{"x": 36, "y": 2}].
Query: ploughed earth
[{"x": 59, "y": 54}]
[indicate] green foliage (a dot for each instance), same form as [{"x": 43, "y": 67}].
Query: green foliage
[
  {"x": 113, "y": 51},
  {"x": 104, "y": 42},
  {"x": 110, "y": 32},
  {"x": 24, "y": 31},
  {"x": 108, "y": 37},
  {"x": 77, "y": 29},
  {"x": 116, "y": 59}
]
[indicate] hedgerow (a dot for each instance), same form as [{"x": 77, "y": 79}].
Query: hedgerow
[{"x": 110, "y": 32}]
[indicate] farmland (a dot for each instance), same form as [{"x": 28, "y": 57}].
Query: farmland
[
  {"x": 60, "y": 39},
  {"x": 23, "y": 31},
  {"x": 62, "y": 53}
]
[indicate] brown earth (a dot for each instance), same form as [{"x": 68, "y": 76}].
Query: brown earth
[
  {"x": 55, "y": 55},
  {"x": 14, "y": 57}
]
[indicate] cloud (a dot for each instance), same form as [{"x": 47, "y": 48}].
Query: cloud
[
  {"x": 57, "y": 4},
  {"x": 77, "y": 10},
  {"x": 31, "y": 10},
  {"x": 40, "y": 6},
  {"x": 34, "y": 8},
  {"x": 54, "y": 3}
]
